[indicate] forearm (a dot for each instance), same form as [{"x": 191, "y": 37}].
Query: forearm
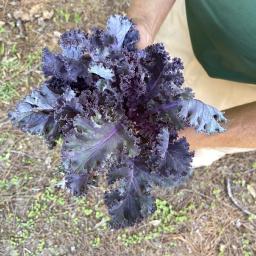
[
  {"x": 150, "y": 14},
  {"x": 240, "y": 133}
]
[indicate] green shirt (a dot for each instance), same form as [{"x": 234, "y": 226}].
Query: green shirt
[{"x": 223, "y": 36}]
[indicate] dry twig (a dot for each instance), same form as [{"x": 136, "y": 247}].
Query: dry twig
[{"x": 233, "y": 199}]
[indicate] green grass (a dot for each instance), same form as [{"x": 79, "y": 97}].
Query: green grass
[
  {"x": 38, "y": 209},
  {"x": 2, "y": 29},
  {"x": 164, "y": 220},
  {"x": 246, "y": 247},
  {"x": 65, "y": 15},
  {"x": 77, "y": 18},
  {"x": 5, "y": 158},
  {"x": 96, "y": 242},
  {"x": 8, "y": 91},
  {"x": 14, "y": 71},
  {"x": 9, "y": 69},
  {"x": 33, "y": 58}
]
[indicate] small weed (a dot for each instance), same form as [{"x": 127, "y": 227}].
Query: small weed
[
  {"x": 28, "y": 160},
  {"x": 4, "y": 136},
  {"x": 221, "y": 250},
  {"x": 14, "y": 49},
  {"x": 239, "y": 182},
  {"x": 5, "y": 158},
  {"x": 137, "y": 238},
  {"x": 83, "y": 206},
  {"x": 2, "y": 29},
  {"x": 63, "y": 15},
  {"x": 8, "y": 50},
  {"x": 181, "y": 218},
  {"x": 216, "y": 192},
  {"x": 8, "y": 91},
  {"x": 77, "y": 18},
  {"x": 38, "y": 209},
  {"x": 246, "y": 247},
  {"x": 132, "y": 239},
  {"x": 99, "y": 215},
  {"x": 87, "y": 211},
  {"x": 3, "y": 184},
  {"x": 9, "y": 64},
  {"x": 75, "y": 221},
  {"x": 50, "y": 196},
  {"x": 14, "y": 182},
  {"x": 252, "y": 217},
  {"x": 172, "y": 244},
  {"x": 96, "y": 242},
  {"x": 40, "y": 247}
]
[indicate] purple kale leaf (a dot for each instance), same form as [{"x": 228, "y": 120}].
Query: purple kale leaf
[
  {"x": 131, "y": 201},
  {"x": 174, "y": 167},
  {"x": 35, "y": 114},
  {"x": 118, "y": 109},
  {"x": 53, "y": 64},
  {"x": 203, "y": 117},
  {"x": 67, "y": 108},
  {"x": 74, "y": 44},
  {"x": 88, "y": 144},
  {"x": 123, "y": 31},
  {"x": 102, "y": 71},
  {"x": 77, "y": 183}
]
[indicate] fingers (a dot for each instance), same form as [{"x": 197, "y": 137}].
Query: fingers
[{"x": 146, "y": 38}]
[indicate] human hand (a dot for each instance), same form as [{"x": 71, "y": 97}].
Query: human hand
[
  {"x": 146, "y": 36},
  {"x": 148, "y": 17},
  {"x": 240, "y": 133}
]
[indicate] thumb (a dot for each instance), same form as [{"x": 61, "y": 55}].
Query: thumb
[{"x": 145, "y": 36}]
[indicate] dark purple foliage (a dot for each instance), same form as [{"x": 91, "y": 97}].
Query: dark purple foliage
[{"x": 116, "y": 108}]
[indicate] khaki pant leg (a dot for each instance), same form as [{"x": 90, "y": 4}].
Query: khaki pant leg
[{"x": 222, "y": 94}]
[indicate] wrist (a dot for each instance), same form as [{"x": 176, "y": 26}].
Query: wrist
[
  {"x": 145, "y": 31},
  {"x": 149, "y": 16}
]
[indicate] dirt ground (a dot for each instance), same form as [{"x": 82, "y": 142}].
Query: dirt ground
[{"x": 37, "y": 219}]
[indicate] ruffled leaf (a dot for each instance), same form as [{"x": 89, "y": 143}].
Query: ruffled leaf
[
  {"x": 101, "y": 45},
  {"x": 88, "y": 144},
  {"x": 68, "y": 107},
  {"x": 101, "y": 71},
  {"x": 131, "y": 201},
  {"x": 77, "y": 183},
  {"x": 118, "y": 26},
  {"x": 203, "y": 117},
  {"x": 53, "y": 65},
  {"x": 160, "y": 148},
  {"x": 131, "y": 39},
  {"x": 35, "y": 114},
  {"x": 75, "y": 69},
  {"x": 74, "y": 43},
  {"x": 174, "y": 168}
]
